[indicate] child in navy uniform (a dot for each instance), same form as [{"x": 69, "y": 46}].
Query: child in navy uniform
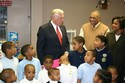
[
  {"x": 103, "y": 56},
  {"x": 76, "y": 56}
]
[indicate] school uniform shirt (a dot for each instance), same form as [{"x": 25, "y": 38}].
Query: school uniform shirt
[
  {"x": 1, "y": 67},
  {"x": 103, "y": 58},
  {"x": 9, "y": 63},
  {"x": 27, "y": 81},
  {"x": 43, "y": 76},
  {"x": 76, "y": 58},
  {"x": 86, "y": 72},
  {"x": 24, "y": 62},
  {"x": 68, "y": 73}
]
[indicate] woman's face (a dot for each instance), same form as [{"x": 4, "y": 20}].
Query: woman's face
[{"x": 115, "y": 25}]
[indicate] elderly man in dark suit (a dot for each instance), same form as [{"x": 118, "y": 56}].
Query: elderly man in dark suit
[{"x": 52, "y": 37}]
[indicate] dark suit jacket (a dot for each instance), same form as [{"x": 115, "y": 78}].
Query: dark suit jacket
[
  {"x": 117, "y": 49},
  {"x": 48, "y": 42}
]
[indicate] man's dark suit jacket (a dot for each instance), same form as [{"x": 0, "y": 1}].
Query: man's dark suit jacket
[{"x": 48, "y": 42}]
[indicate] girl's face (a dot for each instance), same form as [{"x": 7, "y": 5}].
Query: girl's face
[
  {"x": 114, "y": 73},
  {"x": 76, "y": 45},
  {"x": 96, "y": 79},
  {"x": 30, "y": 73},
  {"x": 115, "y": 25}
]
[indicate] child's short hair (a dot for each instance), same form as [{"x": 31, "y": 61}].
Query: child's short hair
[
  {"x": 104, "y": 75},
  {"x": 26, "y": 66},
  {"x": 94, "y": 52},
  {"x": 6, "y": 45},
  {"x": 24, "y": 49},
  {"x": 79, "y": 39},
  {"x": 47, "y": 57},
  {"x": 102, "y": 38},
  {"x": 5, "y": 74},
  {"x": 51, "y": 70}
]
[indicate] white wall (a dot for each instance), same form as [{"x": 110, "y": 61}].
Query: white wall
[{"x": 19, "y": 20}]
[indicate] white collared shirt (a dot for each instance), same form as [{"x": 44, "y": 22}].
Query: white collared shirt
[
  {"x": 100, "y": 49},
  {"x": 55, "y": 27},
  {"x": 117, "y": 37},
  {"x": 27, "y": 81},
  {"x": 43, "y": 76},
  {"x": 51, "y": 81},
  {"x": 68, "y": 73}
]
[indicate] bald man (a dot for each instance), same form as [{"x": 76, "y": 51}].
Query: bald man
[
  {"x": 52, "y": 37},
  {"x": 93, "y": 28}
]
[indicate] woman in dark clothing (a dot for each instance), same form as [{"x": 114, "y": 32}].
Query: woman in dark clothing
[{"x": 116, "y": 45}]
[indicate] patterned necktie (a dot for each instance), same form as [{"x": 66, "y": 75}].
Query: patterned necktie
[{"x": 59, "y": 35}]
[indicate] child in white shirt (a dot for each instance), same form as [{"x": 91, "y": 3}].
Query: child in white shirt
[
  {"x": 29, "y": 72},
  {"x": 68, "y": 73},
  {"x": 43, "y": 74},
  {"x": 8, "y": 76},
  {"x": 29, "y": 52},
  {"x": 9, "y": 61},
  {"x": 54, "y": 75},
  {"x": 87, "y": 70}
]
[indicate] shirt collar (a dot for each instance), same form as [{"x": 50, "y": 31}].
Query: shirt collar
[
  {"x": 51, "y": 81},
  {"x": 53, "y": 25},
  {"x": 65, "y": 65},
  {"x": 96, "y": 25},
  {"x": 100, "y": 49}
]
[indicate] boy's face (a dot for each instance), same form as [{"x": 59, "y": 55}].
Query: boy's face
[
  {"x": 48, "y": 63},
  {"x": 31, "y": 52},
  {"x": 55, "y": 75},
  {"x": 13, "y": 77},
  {"x": 98, "y": 43},
  {"x": 89, "y": 57},
  {"x": 114, "y": 73},
  {"x": 76, "y": 45},
  {"x": 13, "y": 50},
  {"x": 30, "y": 73}
]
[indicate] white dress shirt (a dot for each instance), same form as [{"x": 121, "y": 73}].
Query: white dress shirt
[
  {"x": 27, "y": 81},
  {"x": 68, "y": 73},
  {"x": 43, "y": 76}
]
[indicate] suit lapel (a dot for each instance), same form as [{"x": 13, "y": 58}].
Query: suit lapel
[
  {"x": 63, "y": 33},
  {"x": 113, "y": 37}
]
